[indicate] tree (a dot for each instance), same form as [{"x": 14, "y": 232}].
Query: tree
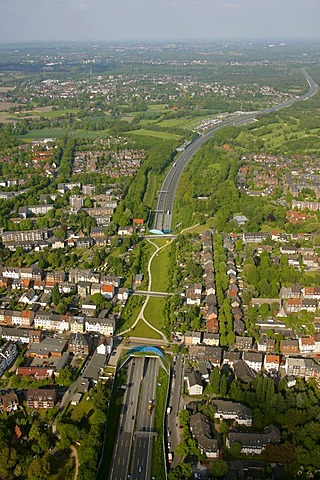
[
  {"x": 184, "y": 416},
  {"x": 182, "y": 450},
  {"x": 55, "y": 294},
  {"x": 215, "y": 380},
  {"x": 235, "y": 449},
  {"x": 39, "y": 469},
  {"x": 219, "y": 469},
  {"x": 223, "y": 386}
]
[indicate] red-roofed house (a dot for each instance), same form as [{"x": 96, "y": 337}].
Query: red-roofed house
[
  {"x": 271, "y": 363},
  {"x": 108, "y": 291}
]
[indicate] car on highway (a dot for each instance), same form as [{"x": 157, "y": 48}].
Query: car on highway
[
  {"x": 132, "y": 418},
  {"x": 140, "y": 468}
]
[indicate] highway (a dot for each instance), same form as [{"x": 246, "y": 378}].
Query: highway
[
  {"x": 133, "y": 446},
  {"x": 163, "y": 212},
  {"x": 144, "y": 436}
]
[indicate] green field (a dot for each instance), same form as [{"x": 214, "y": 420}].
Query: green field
[
  {"x": 159, "y": 107},
  {"x": 154, "y": 133},
  {"x": 154, "y": 312},
  {"x": 45, "y": 133},
  {"x": 160, "y": 241},
  {"x": 143, "y": 331},
  {"x": 159, "y": 271},
  {"x": 45, "y": 112},
  {"x": 130, "y": 313},
  {"x": 61, "y": 132}
]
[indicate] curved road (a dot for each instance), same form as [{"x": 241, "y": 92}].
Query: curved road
[{"x": 166, "y": 195}]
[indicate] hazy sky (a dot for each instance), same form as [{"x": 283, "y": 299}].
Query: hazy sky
[{"x": 41, "y": 20}]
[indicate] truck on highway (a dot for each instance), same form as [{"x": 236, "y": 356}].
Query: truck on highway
[
  {"x": 150, "y": 406},
  {"x": 170, "y": 457}
]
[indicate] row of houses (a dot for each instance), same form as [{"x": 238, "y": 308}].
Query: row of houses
[
  {"x": 288, "y": 346},
  {"x": 104, "y": 324},
  {"x": 210, "y": 309},
  {"x": 247, "y": 366},
  {"x": 37, "y": 283},
  {"x": 44, "y": 239}
]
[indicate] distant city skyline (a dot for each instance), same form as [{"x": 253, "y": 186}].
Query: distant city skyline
[{"x": 154, "y": 20}]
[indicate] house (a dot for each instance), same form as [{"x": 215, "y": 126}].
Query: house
[
  {"x": 302, "y": 367},
  {"x": 41, "y": 398},
  {"x": 309, "y": 304},
  {"x": 271, "y": 363},
  {"x": 254, "y": 443},
  {"x": 123, "y": 294},
  {"x": 51, "y": 321},
  {"x": 95, "y": 367},
  {"x": 105, "y": 345},
  {"x": 29, "y": 297},
  {"x": 289, "y": 347},
  {"x": 108, "y": 291},
  {"x": 193, "y": 294},
  {"x": 79, "y": 344},
  {"x": 105, "y": 326},
  {"x": 8, "y": 354},
  {"x": 138, "y": 279},
  {"x": 194, "y": 383},
  {"x": 47, "y": 348},
  {"x": 84, "y": 288},
  {"x": 125, "y": 231},
  {"x": 9, "y": 401},
  {"x": 290, "y": 292},
  {"x": 229, "y": 357},
  {"x": 266, "y": 345},
  {"x": 20, "y": 335},
  {"x": 204, "y": 370},
  {"x": 226, "y": 410},
  {"x": 311, "y": 292},
  {"x": 24, "y": 318},
  {"x": 258, "y": 237},
  {"x": 36, "y": 373},
  {"x": 306, "y": 344},
  {"x": 192, "y": 338},
  {"x": 205, "y": 435},
  {"x": 292, "y": 305},
  {"x": 88, "y": 307},
  {"x": 77, "y": 324},
  {"x": 243, "y": 372},
  {"x": 253, "y": 360},
  {"x": 211, "y": 339},
  {"x": 243, "y": 343}
]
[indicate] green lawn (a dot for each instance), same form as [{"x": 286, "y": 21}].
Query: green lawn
[
  {"x": 130, "y": 313},
  {"x": 45, "y": 133},
  {"x": 127, "y": 118},
  {"x": 154, "y": 311},
  {"x": 160, "y": 241},
  {"x": 159, "y": 271},
  {"x": 154, "y": 133},
  {"x": 143, "y": 331},
  {"x": 48, "y": 113},
  {"x": 159, "y": 107}
]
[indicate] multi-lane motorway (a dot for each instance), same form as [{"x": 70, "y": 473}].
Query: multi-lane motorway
[
  {"x": 133, "y": 448},
  {"x": 166, "y": 195}
]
